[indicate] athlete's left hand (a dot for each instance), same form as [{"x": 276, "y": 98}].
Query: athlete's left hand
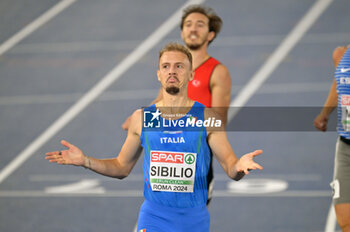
[{"x": 246, "y": 162}]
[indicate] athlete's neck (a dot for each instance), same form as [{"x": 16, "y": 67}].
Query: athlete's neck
[
  {"x": 177, "y": 100},
  {"x": 174, "y": 107},
  {"x": 199, "y": 56}
]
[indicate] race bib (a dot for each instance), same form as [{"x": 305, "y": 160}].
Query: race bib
[
  {"x": 172, "y": 171},
  {"x": 336, "y": 189},
  {"x": 345, "y": 107}
]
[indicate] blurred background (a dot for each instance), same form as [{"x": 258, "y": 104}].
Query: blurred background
[{"x": 76, "y": 69}]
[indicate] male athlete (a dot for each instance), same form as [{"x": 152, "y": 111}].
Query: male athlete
[
  {"x": 176, "y": 160},
  {"x": 339, "y": 96},
  {"x": 211, "y": 84}
]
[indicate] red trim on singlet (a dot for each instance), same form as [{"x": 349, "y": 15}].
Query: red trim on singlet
[{"x": 199, "y": 88}]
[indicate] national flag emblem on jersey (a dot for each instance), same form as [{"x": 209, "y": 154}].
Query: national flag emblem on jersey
[{"x": 143, "y": 230}]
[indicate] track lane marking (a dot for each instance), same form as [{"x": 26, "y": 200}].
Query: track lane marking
[{"x": 33, "y": 26}]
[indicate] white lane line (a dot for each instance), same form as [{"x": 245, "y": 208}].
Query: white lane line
[
  {"x": 82, "y": 186},
  {"x": 331, "y": 223},
  {"x": 278, "y": 55},
  {"x": 30, "y": 28},
  {"x": 222, "y": 41},
  {"x": 96, "y": 90},
  {"x": 139, "y": 193},
  {"x": 272, "y": 88}
]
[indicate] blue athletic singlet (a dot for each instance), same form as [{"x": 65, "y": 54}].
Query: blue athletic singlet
[
  {"x": 176, "y": 161},
  {"x": 342, "y": 75},
  {"x": 176, "y": 164}
]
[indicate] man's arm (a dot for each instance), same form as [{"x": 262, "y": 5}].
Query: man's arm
[
  {"x": 331, "y": 103},
  {"x": 235, "y": 168},
  {"x": 118, "y": 167},
  {"x": 220, "y": 87}
]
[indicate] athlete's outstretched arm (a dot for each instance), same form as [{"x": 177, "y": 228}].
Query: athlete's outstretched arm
[
  {"x": 235, "y": 168},
  {"x": 222, "y": 150},
  {"x": 321, "y": 120},
  {"x": 118, "y": 167}
]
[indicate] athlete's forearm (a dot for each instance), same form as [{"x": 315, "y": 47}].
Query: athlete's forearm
[
  {"x": 222, "y": 111},
  {"x": 106, "y": 167},
  {"x": 332, "y": 100}
]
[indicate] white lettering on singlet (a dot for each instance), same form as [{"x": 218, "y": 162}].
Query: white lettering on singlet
[{"x": 172, "y": 140}]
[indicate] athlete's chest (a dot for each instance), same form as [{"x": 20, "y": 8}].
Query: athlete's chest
[
  {"x": 342, "y": 73},
  {"x": 200, "y": 80}
]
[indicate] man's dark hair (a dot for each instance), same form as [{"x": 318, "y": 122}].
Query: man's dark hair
[{"x": 215, "y": 21}]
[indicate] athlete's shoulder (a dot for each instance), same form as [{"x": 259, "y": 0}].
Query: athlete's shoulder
[
  {"x": 221, "y": 68},
  {"x": 214, "y": 60},
  {"x": 338, "y": 53},
  {"x": 137, "y": 114},
  {"x": 221, "y": 76},
  {"x": 136, "y": 122}
]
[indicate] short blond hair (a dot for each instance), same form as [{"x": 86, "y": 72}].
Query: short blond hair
[{"x": 171, "y": 47}]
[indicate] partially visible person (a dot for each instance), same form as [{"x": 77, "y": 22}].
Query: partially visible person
[
  {"x": 175, "y": 173},
  {"x": 339, "y": 97}
]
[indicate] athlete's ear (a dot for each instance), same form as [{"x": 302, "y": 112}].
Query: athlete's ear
[
  {"x": 211, "y": 36},
  {"x": 158, "y": 74},
  {"x": 191, "y": 75}
]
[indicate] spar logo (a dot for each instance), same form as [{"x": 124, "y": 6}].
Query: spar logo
[
  {"x": 190, "y": 159},
  {"x": 167, "y": 157},
  {"x": 172, "y": 157}
]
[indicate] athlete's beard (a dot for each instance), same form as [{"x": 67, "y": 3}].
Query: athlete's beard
[
  {"x": 172, "y": 90},
  {"x": 195, "y": 46}
]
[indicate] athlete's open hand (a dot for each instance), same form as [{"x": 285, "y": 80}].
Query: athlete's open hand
[
  {"x": 246, "y": 162},
  {"x": 73, "y": 155}
]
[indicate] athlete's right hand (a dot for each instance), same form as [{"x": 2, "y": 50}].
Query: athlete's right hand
[
  {"x": 246, "y": 163},
  {"x": 72, "y": 156},
  {"x": 320, "y": 122}
]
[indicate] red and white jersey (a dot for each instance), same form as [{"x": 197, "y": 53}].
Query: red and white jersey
[{"x": 199, "y": 88}]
